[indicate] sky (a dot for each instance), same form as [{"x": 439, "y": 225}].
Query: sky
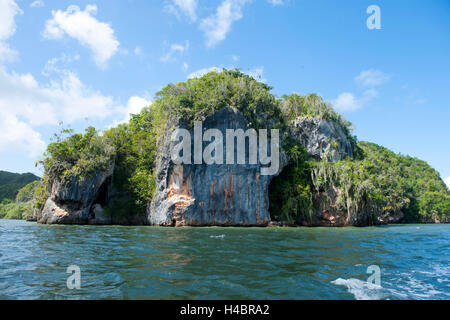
[{"x": 80, "y": 63}]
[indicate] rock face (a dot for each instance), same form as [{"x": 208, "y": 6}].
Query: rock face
[
  {"x": 215, "y": 194},
  {"x": 211, "y": 194},
  {"x": 78, "y": 201},
  {"x": 322, "y": 138},
  {"x": 326, "y": 213}
]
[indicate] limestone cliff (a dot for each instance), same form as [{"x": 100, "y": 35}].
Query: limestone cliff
[
  {"x": 127, "y": 175},
  {"x": 80, "y": 201},
  {"x": 322, "y": 138},
  {"x": 217, "y": 194}
]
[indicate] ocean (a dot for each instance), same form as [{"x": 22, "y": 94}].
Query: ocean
[{"x": 118, "y": 262}]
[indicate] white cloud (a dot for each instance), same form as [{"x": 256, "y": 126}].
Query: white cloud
[
  {"x": 257, "y": 74},
  {"x": 66, "y": 98},
  {"x": 185, "y": 66},
  {"x": 138, "y": 51},
  {"x": 52, "y": 64},
  {"x": 175, "y": 49},
  {"x": 26, "y": 104},
  {"x": 8, "y": 11},
  {"x": 447, "y": 182},
  {"x": 134, "y": 106},
  {"x": 368, "y": 79},
  {"x": 37, "y": 4},
  {"x": 346, "y": 102},
  {"x": 187, "y": 7},
  {"x": 200, "y": 73},
  {"x": 275, "y": 2},
  {"x": 82, "y": 26},
  {"x": 372, "y": 78},
  {"x": 217, "y": 26},
  {"x": 18, "y": 135}
]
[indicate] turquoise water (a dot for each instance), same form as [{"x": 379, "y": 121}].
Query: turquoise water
[{"x": 223, "y": 263}]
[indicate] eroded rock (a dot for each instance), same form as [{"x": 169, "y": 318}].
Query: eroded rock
[
  {"x": 322, "y": 139},
  {"x": 215, "y": 194},
  {"x": 71, "y": 202}
]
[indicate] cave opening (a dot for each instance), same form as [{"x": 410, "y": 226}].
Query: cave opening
[
  {"x": 102, "y": 196},
  {"x": 290, "y": 194},
  {"x": 276, "y": 196}
]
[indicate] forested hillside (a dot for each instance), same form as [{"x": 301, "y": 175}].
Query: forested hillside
[{"x": 11, "y": 183}]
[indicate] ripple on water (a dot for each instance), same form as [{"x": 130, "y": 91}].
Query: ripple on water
[{"x": 227, "y": 263}]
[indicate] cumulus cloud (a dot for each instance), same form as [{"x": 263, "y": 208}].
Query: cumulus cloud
[
  {"x": 447, "y": 182},
  {"x": 84, "y": 27},
  {"x": 346, "y": 101},
  {"x": 368, "y": 80},
  {"x": 18, "y": 135},
  {"x": 8, "y": 11},
  {"x": 37, "y": 4},
  {"x": 26, "y": 104},
  {"x": 372, "y": 78},
  {"x": 134, "y": 105},
  {"x": 186, "y": 7},
  {"x": 217, "y": 26},
  {"x": 174, "y": 50}
]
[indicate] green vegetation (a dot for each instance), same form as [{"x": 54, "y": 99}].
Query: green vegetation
[
  {"x": 28, "y": 192},
  {"x": 379, "y": 183},
  {"x": 197, "y": 98},
  {"x": 290, "y": 193},
  {"x": 10, "y": 183},
  {"x": 23, "y": 205},
  {"x": 77, "y": 155},
  {"x": 375, "y": 182},
  {"x": 313, "y": 106},
  {"x": 132, "y": 146},
  {"x": 12, "y": 210}
]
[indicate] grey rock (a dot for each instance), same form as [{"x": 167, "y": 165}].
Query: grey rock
[
  {"x": 217, "y": 194},
  {"x": 70, "y": 202},
  {"x": 322, "y": 138},
  {"x": 99, "y": 216}
]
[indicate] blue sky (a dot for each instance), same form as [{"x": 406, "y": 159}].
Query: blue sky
[{"x": 93, "y": 62}]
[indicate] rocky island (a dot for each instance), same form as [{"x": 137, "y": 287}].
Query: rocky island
[{"x": 326, "y": 177}]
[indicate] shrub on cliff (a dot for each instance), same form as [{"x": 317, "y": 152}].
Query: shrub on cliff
[
  {"x": 28, "y": 192},
  {"x": 10, "y": 183},
  {"x": 380, "y": 183},
  {"x": 198, "y": 97},
  {"x": 11, "y": 210},
  {"x": 313, "y": 106},
  {"x": 375, "y": 182},
  {"x": 79, "y": 155}
]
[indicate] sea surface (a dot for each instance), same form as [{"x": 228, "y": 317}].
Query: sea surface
[{"x": 224, "y": 263}]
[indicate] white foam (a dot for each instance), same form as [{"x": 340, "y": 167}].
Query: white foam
[
  {"x": 359, "y": 289},
  {"x": 218, "y": 237}
]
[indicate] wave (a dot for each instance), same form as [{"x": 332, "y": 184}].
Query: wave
[{"x": 360, "y": 289}]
